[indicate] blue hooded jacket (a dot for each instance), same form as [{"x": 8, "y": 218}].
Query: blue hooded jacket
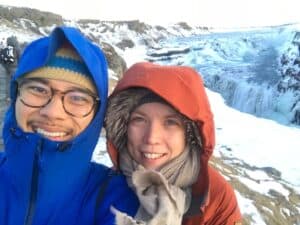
[{"x": 47, "y": 182}]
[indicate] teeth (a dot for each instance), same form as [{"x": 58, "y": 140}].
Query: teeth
[
  {"x": 50, "y": 134},
  {"x": 153, "y": 155}
]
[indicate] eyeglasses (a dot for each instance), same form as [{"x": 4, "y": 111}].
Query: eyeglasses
[{"x": 36, "y": 94}]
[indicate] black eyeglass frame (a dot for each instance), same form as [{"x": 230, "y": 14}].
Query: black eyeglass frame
[{"x": 53, "y": 91}]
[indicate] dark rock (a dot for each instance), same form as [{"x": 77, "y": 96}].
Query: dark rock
[
  {"x": 272, "y": 172},
  {"x": 115, "y": 62},
  {"x": 169, "y": 52},
  {"x": 137, "y": 26},
  {"x": 125, "y": 43},
  {"x": 160, "y": 28},
  {"x": 296, "y": 119},
  {"x": 39, "y": 17},
  {"x": 184, "y": 26},
  {"x": 296, "y": 39},
  {"x": 284, "y": 59},
  {"x": 297, "y": 61}
]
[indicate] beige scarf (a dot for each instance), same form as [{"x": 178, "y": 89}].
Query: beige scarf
[{"x": 164, "y": 195}]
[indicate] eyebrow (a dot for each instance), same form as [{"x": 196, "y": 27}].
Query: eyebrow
[
  {"x": 174, "y": 115},
  {"x": 46, "y": 82},
  {"x": 26, "y": 80}
]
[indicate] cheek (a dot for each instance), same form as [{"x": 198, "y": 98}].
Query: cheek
[
  {"x": 133, "y": 140},
  {"x": 130, "y": 138},
  {"x": 178, "y": 143},
  {"x": 134, "y": 134},
  {"x": 82, "y": 123}
]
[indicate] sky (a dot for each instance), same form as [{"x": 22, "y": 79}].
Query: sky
[{"x": 212, "y": 13}]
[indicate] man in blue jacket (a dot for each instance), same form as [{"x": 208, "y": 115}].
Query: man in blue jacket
[{"x": 58, "y": 102}]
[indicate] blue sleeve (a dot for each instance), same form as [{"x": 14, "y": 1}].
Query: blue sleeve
[
  {"x": 120, "y": 196},
  {"x": 2, "y": 157}
]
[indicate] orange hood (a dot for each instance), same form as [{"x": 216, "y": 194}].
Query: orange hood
[{"x": 183, "y": 88}]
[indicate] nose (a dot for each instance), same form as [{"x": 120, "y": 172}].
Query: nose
[
  {"x": 153, "y": 133},
  {"x": 54, "y": 109}
]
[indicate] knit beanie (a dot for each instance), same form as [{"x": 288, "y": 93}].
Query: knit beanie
[
  {"x": 149, "y": 97},
  {"x": 65, "y": 65}
]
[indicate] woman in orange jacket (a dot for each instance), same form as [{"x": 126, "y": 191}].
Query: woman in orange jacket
[{"x": 160, "y": 134}]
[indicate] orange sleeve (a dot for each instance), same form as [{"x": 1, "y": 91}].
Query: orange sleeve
[{"x": 223, "y": 207}]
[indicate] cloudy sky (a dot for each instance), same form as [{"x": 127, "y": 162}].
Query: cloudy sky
[{"x": 217, "y": 13}]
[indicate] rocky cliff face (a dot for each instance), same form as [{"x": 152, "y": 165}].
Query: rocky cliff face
[
  {"x": 290, "y": 75},
  {"x": 37, "y": 17}
]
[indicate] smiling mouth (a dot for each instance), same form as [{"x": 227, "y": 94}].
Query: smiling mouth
[
  {"x": 152, "y": 155},
  {"x": 50, "y": 134}
]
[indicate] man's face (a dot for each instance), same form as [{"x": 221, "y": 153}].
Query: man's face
[{"x": 52, "y": 120}]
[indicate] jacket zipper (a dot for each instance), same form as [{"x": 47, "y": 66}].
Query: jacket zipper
[{"x": 34, "y": 187}]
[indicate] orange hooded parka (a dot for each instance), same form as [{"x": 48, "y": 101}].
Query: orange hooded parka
[{"x": 214, "y": 201}]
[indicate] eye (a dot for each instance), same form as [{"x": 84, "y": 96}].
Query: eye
[
  {"x": 137, "y": 119},
  {"x": 37, "y": 89},
  {"x": 173, "y": 122},
  {"x": 78, "y": 98}
]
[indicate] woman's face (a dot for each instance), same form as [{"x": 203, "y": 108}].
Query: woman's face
[{"x": 156, "y": 134}]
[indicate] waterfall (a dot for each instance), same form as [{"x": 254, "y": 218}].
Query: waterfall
[
  {"x": 253, "y": 99},
  {"x": 244, "y": 96}
]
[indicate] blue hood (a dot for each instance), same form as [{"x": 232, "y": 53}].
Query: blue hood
[
  {"x": 45, "y": 178},
  {"x": 37, "y": 54}
]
